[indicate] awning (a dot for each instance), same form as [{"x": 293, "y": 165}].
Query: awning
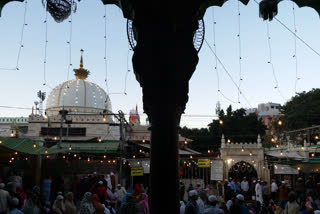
[
  {"x": 186, "y": 151},
  {"x": 285, "y": 154},
  {"x": 280, "y": 169},
  {"x": 26, "y": 145}
]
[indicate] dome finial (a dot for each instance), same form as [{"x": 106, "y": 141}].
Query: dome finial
[
  {"x": 81, "y": 73},
  {"x": 81, "y": 59}
]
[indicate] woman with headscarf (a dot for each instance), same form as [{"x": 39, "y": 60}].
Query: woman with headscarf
[
  {"x": 97, "y": 205},
  {"x": 86, "y": 206},
  {"x": 70, "y": 207},
  {"x": 143, "y": 204},
  {"x": 22, "y": 196},
  {"x": 130, "y": 206},
  {"x": 58, "y": 205}
]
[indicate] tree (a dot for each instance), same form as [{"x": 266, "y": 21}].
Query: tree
[
  {"x": 235, "y": 125},
  {"x": 302, "y": 111}
]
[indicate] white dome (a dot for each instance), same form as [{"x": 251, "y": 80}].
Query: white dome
[{"x": 78, "y": 96}]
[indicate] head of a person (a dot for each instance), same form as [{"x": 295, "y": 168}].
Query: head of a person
[
  {"x": 240, "y": 197},
  {"x": 193, "y": 194},
  {"x": 2, "y": 185},
  {"x": 309, "y": 198},
  {"x": 14, "y": 203},
  {"x": 283, "y": 183},
  {"x": 144, "y": 196},
  {"x": 244, "y": 178},
  {"x": 70, "y": 196},
  {"x": 292, "y": 197},
  {"x": 300, "y": 179},
  {"x": 230, "y": 179},
  {"x": 212, "y": 200},
  {"x": 119, "y": 186},
  {"x": 59, "y": 198},
  {"x": 100, "y": 183}
]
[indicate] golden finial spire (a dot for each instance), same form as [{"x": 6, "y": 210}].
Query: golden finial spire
[
  {"x": 81, "y": 60},
  {"x": 81, "y": 73}
]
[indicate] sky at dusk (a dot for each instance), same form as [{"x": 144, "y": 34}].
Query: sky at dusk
[{"x": 18, "y": 88}]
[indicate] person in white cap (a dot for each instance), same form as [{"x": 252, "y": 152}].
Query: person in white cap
[
  {"x": 4, "y": 199},
  {"x": 192, "y": 206},
  {"x": 212, "y": 206}
]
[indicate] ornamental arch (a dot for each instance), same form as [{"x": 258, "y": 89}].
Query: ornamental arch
[{"x": 250, "y": 154}]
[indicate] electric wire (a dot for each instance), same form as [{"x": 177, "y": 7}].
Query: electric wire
[
  {"x": 229, "y": 75},
  {"x": 21, "y": 40},
  {"x": 295, "y": 48},
  {"x": 271, "y": 63}
]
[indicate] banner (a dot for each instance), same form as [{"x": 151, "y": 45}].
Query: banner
[
  {"x": 204, "y": 163},
  {"x": 217, "y": 170},
  {"x": 137, "y": 171}
]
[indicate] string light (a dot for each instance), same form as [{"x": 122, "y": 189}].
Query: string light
[
  {"x": 21, "y": 40},
  {"x": 55, "y": 138},
  {"x": 79, "y": 157},
  {"x": 114, "y": 161},
  {"x": 277, "y": 146},
  {"x": 34, "y": 145},
  {"x": 271, "y": 63},
  {"x": 45, "y": 48},
  {"x": 104, "y": 119},
  {"x": 26, "y": 159},
  {"x": 105, "y": 48},
  {"x": 250, "y": 153},
  {"x": 191, "y": 157},
  {"x": 12, "y": 158},
  {"x": 298, "y": 168},
  {"x": 70, "y": 148},
  {"x": 109, "y": 161},
  {"x": 240, "y": 51},
  {"x": 75, "y": 155},
  {"x": 47, "y": 156},
  {"x": 100, "y": 140},
  {"x": 281, "y": 153},
  {"x": 143, "y": 140},
  {"x": 140, "y": 150},
  {"x": 101, "y": 161},
  {"x": 229, "y": 141},
  {"x": 209, "y": 151},
  {"x": 89, "y": 159},
  {"x": 46, "y": 152},
  {"x": 104, "y": 156},
  {"x": 70, "y": 44},
  {"x": 12, "y": 134},
  {"x": 133, "y": 156},
  {"x": 316, "y": 137},
  {"x": 10, "y": 161},
  {"x": 312, "y": 154},
  {"x": 272, "y": 139},
  {"x": 185, "y": 142},
  {"x": 242, "y": 149},
  {"x": 221, "y": 122},
  {"x": 0, "y": 141},
  {"x": 64, "y": 157},
  {"x": 295, "y": 48},
  {"x": 280, "y": 123}
]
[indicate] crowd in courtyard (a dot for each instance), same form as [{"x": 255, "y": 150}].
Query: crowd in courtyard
[{"x": 99, "y": 194}]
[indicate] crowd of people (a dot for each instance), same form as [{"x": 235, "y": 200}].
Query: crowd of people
[
  {"x": 87, "y": 194},
  {"x": 234, "y": 196},
  {"x": 100, "y": 194}
]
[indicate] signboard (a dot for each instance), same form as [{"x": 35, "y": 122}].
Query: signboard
[
  {"x": 137, "y": 171},
  {"x": 204, "y": 163},
  {"x": 216, "y": 170}
]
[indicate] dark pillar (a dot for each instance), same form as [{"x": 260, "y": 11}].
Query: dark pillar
[{"x": 164, "y": 61}]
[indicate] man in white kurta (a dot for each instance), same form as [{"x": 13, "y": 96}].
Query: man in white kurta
[{"x": 259, "y": 193}]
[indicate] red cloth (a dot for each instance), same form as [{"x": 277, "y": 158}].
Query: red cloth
[
  {"x": 102, "y": 193},
  {"x": 97, "y": 205},
  {"x": 21, "y": 195},
  {"x": 136, "y": 191}
]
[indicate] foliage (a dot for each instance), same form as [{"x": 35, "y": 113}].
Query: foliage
[
  {"x": 237, "y": 126},
  {"x": 302, "y": 111}
]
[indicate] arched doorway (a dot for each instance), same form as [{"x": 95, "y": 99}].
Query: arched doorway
[{"x": 242, "y": 169}]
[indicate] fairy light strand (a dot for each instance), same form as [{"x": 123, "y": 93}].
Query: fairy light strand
[
  {"x": 240, "y": 51},
  {"x": 21, "y": 40},
  {"x": 105, "y": 48},
  {"x": 45, "y": 49},
  {"x": 295, "y": 48},
  {"x": 228, "y": 73},
  {"x": 127, "y": 73},
  {"x": 216, "y": 60},
  {"x": 271, "y": 62},
  {"x": 70, "y": 43}
]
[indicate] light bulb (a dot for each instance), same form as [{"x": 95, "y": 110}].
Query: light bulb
[
  {"x": 143, "y": 140},
  {"x": 221, "y": 122},
  {"x": 70, "y": 148}
]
